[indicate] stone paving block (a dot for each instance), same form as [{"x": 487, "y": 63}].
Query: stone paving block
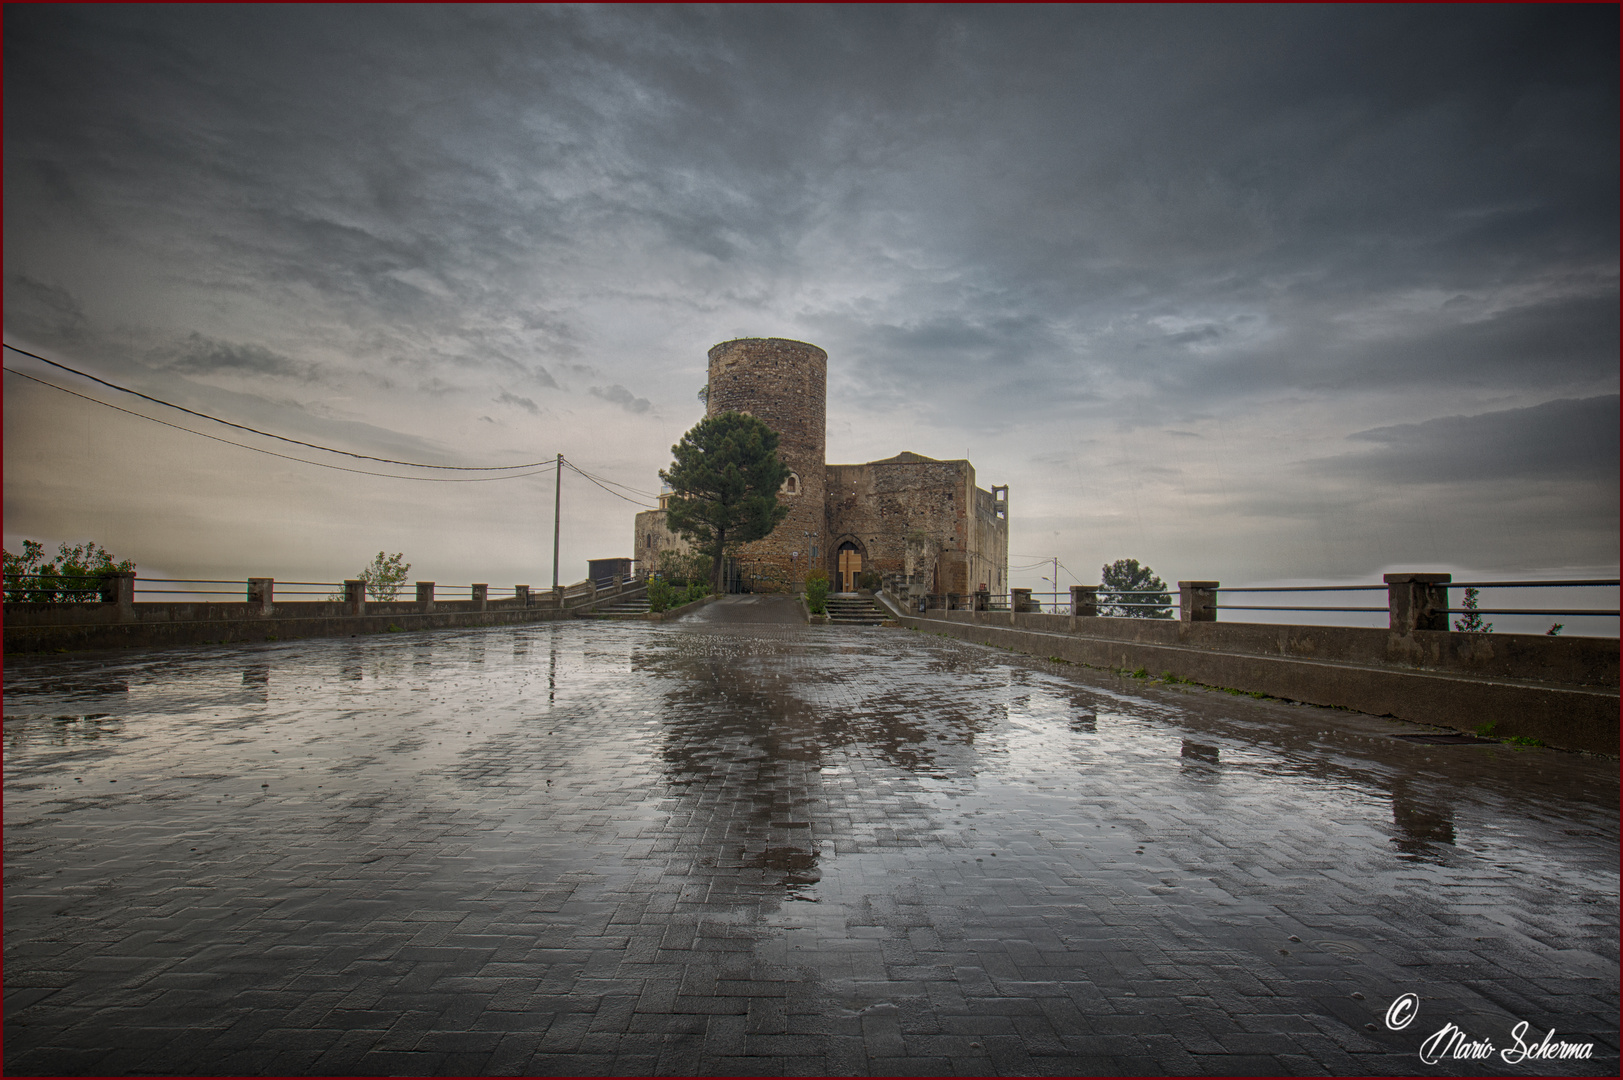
[{"x": 681, "y": 850}]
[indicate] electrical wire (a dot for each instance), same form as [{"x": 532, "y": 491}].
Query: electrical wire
[
  {"x": 611, "y": 491},
  {"x": 256, "y": 431},
  {"x": 274, "y": 454},
  {"x": 613, "y": 483}
]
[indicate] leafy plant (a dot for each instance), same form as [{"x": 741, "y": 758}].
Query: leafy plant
[
  {"x": 1124, "y": 583},
  {"x": 659, "y": 594},
  {"x": 683, "y": 567},
  {"x": 385, "y": 576},
  {"x": 1471, "y": 622},
  {"x": 73, "y": 577},
  {"x": 817, "y": 592},
  {"x": 870, "y": 580},
  {"x": 1554, "y": 630}
]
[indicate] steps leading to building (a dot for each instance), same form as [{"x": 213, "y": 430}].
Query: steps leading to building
[
  {"x": 855, "y": 611},
  {"x": 624, "y": 608}
]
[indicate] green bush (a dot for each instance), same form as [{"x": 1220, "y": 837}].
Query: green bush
[
  {"x": 697, "y": 590},
  {"x": 73, "y": 577},
  {"x": 817, "y": 592},
  {"x": 870, "y": 580},
  {"x": 684, "y": 568},
  {"x": 660, "y": 594}
]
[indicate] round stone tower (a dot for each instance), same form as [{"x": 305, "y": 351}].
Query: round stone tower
[{"x": 784, "y": 384}]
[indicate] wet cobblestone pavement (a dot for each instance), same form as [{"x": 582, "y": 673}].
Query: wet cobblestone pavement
[{"x": 729, "y": 847}]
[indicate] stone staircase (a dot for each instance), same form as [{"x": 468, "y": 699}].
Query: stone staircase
[
  {"x": 852, "y": 609},
  {"x": 623, "y": 609}
]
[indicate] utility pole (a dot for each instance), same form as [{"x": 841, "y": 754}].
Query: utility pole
[
  {"x": 1056, "y": 584},
  {"x": 557, "y": 508}
]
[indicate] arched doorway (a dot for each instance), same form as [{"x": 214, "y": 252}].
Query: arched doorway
[{"x": 849, "y": 566}]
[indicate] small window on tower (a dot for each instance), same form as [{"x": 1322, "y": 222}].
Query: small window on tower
[{"x": 791, "y": 486}]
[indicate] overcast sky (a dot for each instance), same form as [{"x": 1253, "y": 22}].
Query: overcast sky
[{"x": 1249, "y": 294}]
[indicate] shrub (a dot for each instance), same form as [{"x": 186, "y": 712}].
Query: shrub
[
  {"x": 385, "y": 575},
  {"x": 660, "y": 594},
  {"x": 684, "y": 567},
  {"x": 817, "y": 592},
  {"x": 870, "y": 580},
  {"x": 73, "y": 577}
]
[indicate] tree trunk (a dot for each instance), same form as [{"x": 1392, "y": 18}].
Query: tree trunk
[{"x": 715, "y": 563}]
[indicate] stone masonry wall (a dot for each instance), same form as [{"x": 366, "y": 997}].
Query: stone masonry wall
[
  {"x": 784, "y": 384},
  {"x": 652, "y": 536},
  {"x": 918, "y": 518}
]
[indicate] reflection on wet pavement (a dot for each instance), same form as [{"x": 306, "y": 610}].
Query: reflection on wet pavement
[{"x": 723, "y": 845}]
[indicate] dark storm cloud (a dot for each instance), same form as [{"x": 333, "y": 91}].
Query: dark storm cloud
[
  {"x": 204, "y": 355},
  {"x": 622, "y": 397},
  {"x": 1566, "y": 440},
  {"x": 1268, "y": 166},
  {"x": 522, "y": 402},
  {"x": 45, "y": 311}
]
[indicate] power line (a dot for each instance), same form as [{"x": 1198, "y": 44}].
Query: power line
[
  {"x": 274, "y": 454},
  {"x": 616, "y": 494},
  {"x": 613, "y": 483},
  {"x": 256, "y": 431}
]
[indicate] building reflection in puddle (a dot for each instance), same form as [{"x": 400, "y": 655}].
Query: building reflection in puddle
[
  {"x": 1421, "y": 823},
  {"x": 1198, "y": 760},
  {"x": 256, "y": 682}
]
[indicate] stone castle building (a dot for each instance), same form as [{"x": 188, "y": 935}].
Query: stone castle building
[{"x": 920, "y": 523}]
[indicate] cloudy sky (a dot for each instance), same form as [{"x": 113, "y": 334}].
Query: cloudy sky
[{"x": 1253, "y": 294}]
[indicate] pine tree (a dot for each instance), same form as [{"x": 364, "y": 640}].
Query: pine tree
[
  {"x": 724, "y": 485},
  {"x": 1125, "y": 582},
  {"x": 1471, "y": 622}
]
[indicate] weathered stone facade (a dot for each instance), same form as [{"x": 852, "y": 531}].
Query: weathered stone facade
[
  {"x": 920, "y": 523},
  {"x": 784, "y": 384}
]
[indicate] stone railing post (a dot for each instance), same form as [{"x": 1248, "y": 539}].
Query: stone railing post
[
  {"x": 558, "y": 597},
  {"x": 983, "y": 600},
  {"x": 480, "y": 592},
  {"x": 118, "y": 588},
  {"x": 619, "y": 582},
  {"x": 952, "y": 601},
  {"x": 1019, "y": 600},
  {"x": 1084, "y": 601},
  {"x": 1197, "y": 601},
  {"x": 1417, "y": 601},
  {"x": 355, "y": 595},
  {"x": 261, "y": 591},
  {"x": 425, "y": 595},
  {"x": 521, "y": 593}
]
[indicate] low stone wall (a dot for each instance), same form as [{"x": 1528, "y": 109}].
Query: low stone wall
[
  {"x": 1562, "y": 691},
  {"x": 678, "y": 612},
  {"x": 35, "y": 628}
]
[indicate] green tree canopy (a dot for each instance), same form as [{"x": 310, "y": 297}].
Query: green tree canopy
[
  {"x": 385, "y": 575},
  {"x": 724, "y": 485},
  {"x": 73, "y": 577},
  {"x": 1125, "y": 582}
]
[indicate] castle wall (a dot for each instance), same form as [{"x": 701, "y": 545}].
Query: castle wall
[
  {"x": 653, "y": 536},
  {"x": 784, "y": 384},
  {"x": 919, "y": 522}
]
